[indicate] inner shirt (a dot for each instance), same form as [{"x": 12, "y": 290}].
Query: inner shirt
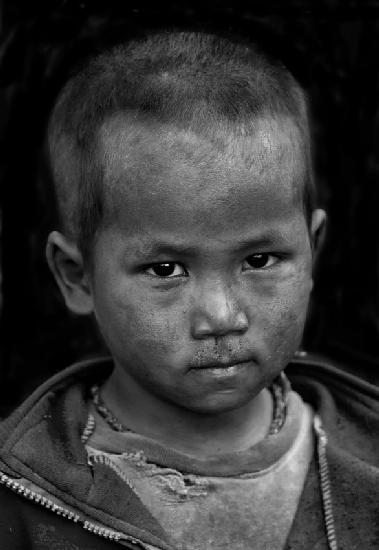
[{"x": 241, "y": 500}]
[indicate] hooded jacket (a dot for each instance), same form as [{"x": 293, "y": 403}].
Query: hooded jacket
[{"x": 51, "y": 497}]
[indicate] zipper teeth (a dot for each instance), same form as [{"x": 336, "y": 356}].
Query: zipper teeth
[
  {"x": 107, "y": 461},
  {"x": 60, "y": 511},
  {"x": 326, "y": 491}
]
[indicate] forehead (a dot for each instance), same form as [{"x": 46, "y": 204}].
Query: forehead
[{"x": 160, "y": 170}]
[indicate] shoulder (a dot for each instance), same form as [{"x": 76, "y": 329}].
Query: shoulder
[
  {"x": 309, "y": 369},
  {"x": 63, "y": 384},
  {"x": 347, "y": 404},
  {"x": 54, "y": 412}
]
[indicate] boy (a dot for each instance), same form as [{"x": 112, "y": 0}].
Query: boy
[{"x": 183, "y": 175}]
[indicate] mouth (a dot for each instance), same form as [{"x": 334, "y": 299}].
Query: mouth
[
  {"x": 220, "y": 363},
  {"x": 221, "y": 369}
]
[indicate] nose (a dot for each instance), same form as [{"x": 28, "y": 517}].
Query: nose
[{"x": 217, "y": 313}]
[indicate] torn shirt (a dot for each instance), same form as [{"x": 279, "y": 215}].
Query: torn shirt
[{"x": 242, "y": 500}]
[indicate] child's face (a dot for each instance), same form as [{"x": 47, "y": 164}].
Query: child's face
[{"x": 201, "y": 279}]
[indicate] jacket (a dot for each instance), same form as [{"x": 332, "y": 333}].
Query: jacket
[{"x": 51, "y": 497}]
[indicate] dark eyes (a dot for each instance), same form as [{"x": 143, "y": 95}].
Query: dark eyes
[
  {"x": 260, "y": 261},
  {"x": 166, "y": 269},
  {"x": 174, "y": 269}
]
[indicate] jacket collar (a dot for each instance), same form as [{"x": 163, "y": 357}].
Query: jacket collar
[{"x": 55, "y": 415}]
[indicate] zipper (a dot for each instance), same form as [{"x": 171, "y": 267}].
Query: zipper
[
  {"x": 326, "y": 492},
  {"x": 109, "y": 534},
  {"x": 64, "y": 512}
]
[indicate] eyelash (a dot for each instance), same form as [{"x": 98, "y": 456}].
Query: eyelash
[
  {"x": 164, "y": 265},
  {"x": 154, "y": 266}
]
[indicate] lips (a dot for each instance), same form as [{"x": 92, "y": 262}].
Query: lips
[
  {"x": 222, "y": 372},
  {"x": 221, "y": 364}
]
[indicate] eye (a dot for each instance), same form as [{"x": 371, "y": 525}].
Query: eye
[
  {"x": 166, "y": 269},
  {"x": 260, "y": 261}
]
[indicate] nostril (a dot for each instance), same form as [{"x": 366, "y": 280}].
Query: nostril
[
  {"x": 241, "y": 322},
  {"x": 202, "y": 328},
  {"x": 206, "y": 325}
]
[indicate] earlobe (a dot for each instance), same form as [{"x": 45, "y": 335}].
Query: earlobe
[{"x": 67, "y": 266}]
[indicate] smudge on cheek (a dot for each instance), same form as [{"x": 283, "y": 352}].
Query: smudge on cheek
[
  {"x": 284, "y": 324},
  {"x": 151, "y": 330}
]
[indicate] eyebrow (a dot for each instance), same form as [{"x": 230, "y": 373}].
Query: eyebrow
[
  {"x": 166, "y": 248},
  {"x": 162, "y": 248}
]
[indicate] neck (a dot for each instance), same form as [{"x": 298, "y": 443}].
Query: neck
[{"x": 184, "y": 430}]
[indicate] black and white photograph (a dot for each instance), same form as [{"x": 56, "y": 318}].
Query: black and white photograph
[{"x": 189, "y": 275}]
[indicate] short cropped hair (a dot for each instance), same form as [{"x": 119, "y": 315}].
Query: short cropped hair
[{"x": 168, "y": 77}]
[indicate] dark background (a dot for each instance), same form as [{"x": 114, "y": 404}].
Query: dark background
[{"x": 331, "y": 46}]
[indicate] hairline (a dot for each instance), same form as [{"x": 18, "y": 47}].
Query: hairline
[{"x": 90, "y": 164}]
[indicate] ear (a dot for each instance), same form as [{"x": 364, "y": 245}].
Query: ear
[
  {"x": 67, "y": 266},
  {"x": 317, "y": 230}
]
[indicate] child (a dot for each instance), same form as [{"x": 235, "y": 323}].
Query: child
[{"x": 188, "y": 229}]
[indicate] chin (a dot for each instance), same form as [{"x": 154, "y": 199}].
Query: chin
[{"x": 221, "y": 402}]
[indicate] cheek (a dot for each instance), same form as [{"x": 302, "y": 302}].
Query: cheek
[
  {"x": 282, "y": 315},
  {"x": 156, "y": 331},
  {"x": 128, "y": 318}
]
